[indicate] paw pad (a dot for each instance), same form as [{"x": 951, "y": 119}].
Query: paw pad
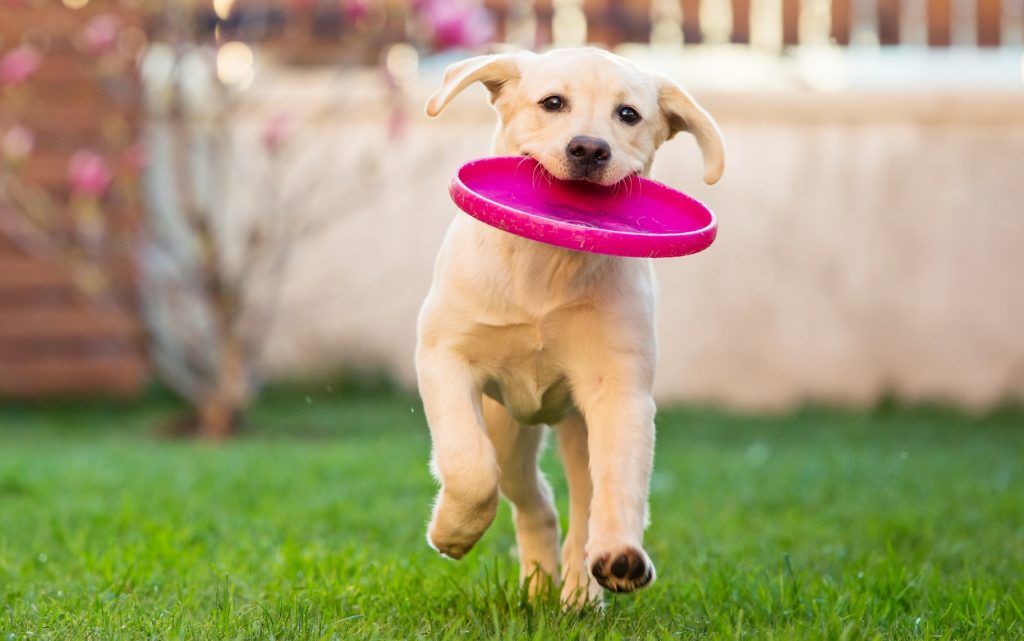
[{"x": 623, "y": 571}]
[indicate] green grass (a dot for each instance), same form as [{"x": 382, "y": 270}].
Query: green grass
[{"x": 823, "y": 524}]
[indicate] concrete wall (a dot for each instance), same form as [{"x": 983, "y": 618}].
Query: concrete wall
[{"x": 868, "y": 244}]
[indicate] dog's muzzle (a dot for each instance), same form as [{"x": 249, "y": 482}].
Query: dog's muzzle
[{"x": 587, "y": 156}]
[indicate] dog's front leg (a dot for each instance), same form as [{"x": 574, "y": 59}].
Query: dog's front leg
[
  {"x": 463, "y": 458},
  {"x": 620, "y": 423}
]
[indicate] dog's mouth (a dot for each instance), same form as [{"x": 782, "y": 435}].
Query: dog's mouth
[
  {"x": 596, "y": 176},
  {"x": 558, "y": 171}
]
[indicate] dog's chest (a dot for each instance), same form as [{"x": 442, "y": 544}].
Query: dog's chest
[
  {"x": 523, "y": 366},
  {"x": 516, "y": 308}
]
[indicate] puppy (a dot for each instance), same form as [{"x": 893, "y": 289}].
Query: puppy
[{"x": 516, "y": 335}]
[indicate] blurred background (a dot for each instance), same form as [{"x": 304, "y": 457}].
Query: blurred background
[{"x": 213, "y": 196}]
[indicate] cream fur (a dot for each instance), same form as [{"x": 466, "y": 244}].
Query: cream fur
[{"x": 515, "y": 334}]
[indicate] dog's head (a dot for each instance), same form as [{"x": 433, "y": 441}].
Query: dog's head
[{"x": 584, "y": 114}]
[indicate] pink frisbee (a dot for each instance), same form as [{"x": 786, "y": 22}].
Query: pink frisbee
[{"x": 642, "y": 218}]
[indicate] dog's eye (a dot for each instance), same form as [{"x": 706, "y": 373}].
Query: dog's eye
[
  {"x": 628, "y": 115},
  {"x": 553, "y": 103}
]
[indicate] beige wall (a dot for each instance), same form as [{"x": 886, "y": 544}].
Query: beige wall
[{"x": 867, "y": 244}]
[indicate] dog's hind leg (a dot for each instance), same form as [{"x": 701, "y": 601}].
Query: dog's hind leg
[
  {"x": 517, "y": 448},
  {"x": 578, "y": 587},
  {"x": 463, "y": 458}
]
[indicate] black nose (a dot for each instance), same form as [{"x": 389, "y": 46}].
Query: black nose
[{"x": 588, "y": 153}]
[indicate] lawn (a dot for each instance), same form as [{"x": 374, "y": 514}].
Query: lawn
[{"x": 899, "y": 523}]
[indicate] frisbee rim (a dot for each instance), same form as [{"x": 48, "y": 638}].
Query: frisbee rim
[{"x": 596, "y": 240}]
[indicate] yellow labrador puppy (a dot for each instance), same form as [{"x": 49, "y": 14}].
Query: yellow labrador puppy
[{"x": 515, "y": 335}]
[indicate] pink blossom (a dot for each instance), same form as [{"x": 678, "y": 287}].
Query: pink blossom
[
  {"x": 355, "y": 10},
  {"x": 88, "y": 173},
  {"x": 276, "y": 131},
  {"x": 18, "y": 64},
  {"x": 458, "y": 24},
  {"x": 17, "y": 143},
  {"x": 100, "y": 34}
]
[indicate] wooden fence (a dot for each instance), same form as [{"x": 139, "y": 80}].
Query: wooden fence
[{"x": 53, "y": 338}]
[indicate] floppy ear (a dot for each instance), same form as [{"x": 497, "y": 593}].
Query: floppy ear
[
  {"x": 494, "y": 71},
  {"x": 684, "y": 114}
]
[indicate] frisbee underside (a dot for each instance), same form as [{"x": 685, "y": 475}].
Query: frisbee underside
[{"x": 638, "y": 217}]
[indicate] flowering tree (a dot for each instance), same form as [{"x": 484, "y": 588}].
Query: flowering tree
[
  {"x": 100, "y": 175},
  {"x": 210, "y": 283},
  {"x": 211, "y": 288}
]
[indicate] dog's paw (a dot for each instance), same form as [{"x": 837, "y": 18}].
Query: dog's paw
[
  {"x": 623, "y": 570},
  {"x": 457, "y": 526},
  {"x": 580, "y": 590},
  {"x": 452, "y": 547}
]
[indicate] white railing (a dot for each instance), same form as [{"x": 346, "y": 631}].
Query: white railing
[{"x": 765, "y": 24}]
